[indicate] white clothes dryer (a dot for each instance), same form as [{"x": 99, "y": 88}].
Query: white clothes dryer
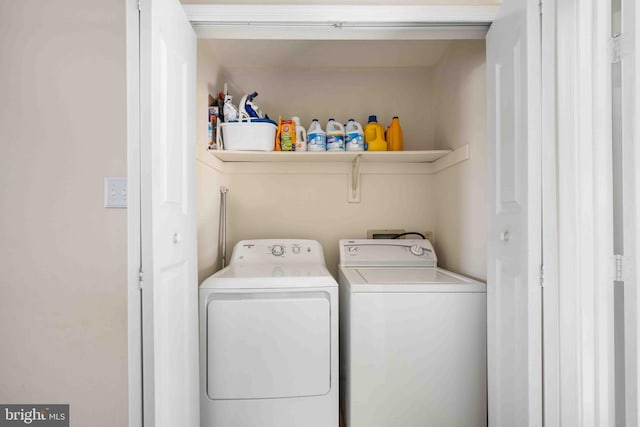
[
  {"x": 269, "y": 338},
  {"x": 412, "y": 336}
]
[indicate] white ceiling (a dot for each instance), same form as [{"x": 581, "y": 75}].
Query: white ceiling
[{"x": 326, "y": 53}]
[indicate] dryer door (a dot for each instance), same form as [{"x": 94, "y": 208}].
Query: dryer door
[{"x": 268, "y": 345}]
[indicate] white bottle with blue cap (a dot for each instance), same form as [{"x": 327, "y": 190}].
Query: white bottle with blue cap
[
  {"x": 354, "y": 140},
  {"x": 335, "y": 136},
  {"x": 316, "y": 137}
]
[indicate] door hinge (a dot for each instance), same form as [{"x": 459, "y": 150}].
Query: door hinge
[
  {"x": 618, "y": 48},
  {"x": 615, "y": 48},
  {"x": 541, "y": 274},
  {"x": 140, "y": 278},
  {"x": 139, "y": 5},
  {"x": 540, "y": 7},
  {"x": 619, "y": 268}
]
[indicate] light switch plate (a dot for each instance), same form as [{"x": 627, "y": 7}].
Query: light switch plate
[{"x": 115, "y": 192}]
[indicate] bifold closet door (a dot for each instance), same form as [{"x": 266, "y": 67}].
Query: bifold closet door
[
  {"x": 514, "y": 229},
  {"x": 168, "y": 231}
]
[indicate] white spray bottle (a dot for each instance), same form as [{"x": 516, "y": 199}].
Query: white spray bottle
[{"x": 230, "y": 111}]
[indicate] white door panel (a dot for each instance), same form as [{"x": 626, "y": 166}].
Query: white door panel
[
  {"x": 508, "y": 123},
  {"x": 169, "y": 293},
  {"x": 513, "y": 256},
  {"x": 506, "y": 375}
]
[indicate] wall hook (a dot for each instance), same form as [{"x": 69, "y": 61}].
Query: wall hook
[{"x": 354, "y": 184}]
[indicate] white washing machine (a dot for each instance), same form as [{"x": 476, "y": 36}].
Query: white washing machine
[
  {"x": 412, "y": 336},
  {"x": 269, "y": 338}
]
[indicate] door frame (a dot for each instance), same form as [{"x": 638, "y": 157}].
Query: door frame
[
  {"x": 630, "y": 64},
  {"x": 134, "y": 224},
  {"x": 549, "y": 180},
  {"x": 577, "y": 215}
]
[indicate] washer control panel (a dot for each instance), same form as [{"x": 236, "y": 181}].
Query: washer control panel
[
  {"x": 277, "y": 250},
  {"x": 387, "y": 253}
]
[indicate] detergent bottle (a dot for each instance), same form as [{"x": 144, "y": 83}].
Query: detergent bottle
[
  {"x": 335, "y": 136},
  {"x": 394, "y": 135},
  {"x": 301, "y": 135},
  {"x": 354, "y": 139},
  {"x": 374, "y": 135},
  {"x": 317, "y": 138},
  {"x": 287, "y": 135}
]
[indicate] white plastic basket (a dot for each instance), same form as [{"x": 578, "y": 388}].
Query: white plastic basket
[{"x": 247, "y": 136}]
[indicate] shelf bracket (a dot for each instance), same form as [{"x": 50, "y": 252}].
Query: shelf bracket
[{"x": 353, "y": 193}]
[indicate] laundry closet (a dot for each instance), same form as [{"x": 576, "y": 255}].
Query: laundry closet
[
  {"x": 464, "y": 176},
  {"x": 437, "y": 184}
]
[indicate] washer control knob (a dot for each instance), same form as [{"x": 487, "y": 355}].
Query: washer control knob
[
  {"x": 417, "y": 250},
  {"x": 353, "y": 250},
  {"x": 277, "y": 250},
  {"x": 296, "y": 249}
]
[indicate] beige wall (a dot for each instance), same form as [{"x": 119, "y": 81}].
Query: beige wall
[
  {"x": 208, "y": 178},
  {"x": 63, "y": 321},
  {"x": 344, "y": 93},
  {"x": 314, "y": 206},
  {"x": 285, "y": 201},
  {"x": 440, "y": 107},
  {"x": 460, "y": 191}
]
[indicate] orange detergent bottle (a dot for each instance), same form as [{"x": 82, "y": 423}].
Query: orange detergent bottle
[{"x": 394, "y": 135}]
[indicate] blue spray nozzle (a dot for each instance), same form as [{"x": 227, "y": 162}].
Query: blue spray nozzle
[{"x": 249, "y": 108}]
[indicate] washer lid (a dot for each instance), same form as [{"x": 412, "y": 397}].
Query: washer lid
[
  {"x": 377, "y": 276},
  {"x": 407, "y": 279}
]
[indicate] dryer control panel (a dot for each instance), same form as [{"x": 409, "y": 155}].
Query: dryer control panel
[
  {"x": 277, "y": 250},
  {"x": 387, "y": 253}
]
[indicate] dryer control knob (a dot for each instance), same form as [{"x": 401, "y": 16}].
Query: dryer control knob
[
  {"x": 417, "y": 250},
  {"x": 277, "y": 250}
]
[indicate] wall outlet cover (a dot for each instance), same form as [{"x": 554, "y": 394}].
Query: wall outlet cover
[{"x": 386, "y": 233}]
